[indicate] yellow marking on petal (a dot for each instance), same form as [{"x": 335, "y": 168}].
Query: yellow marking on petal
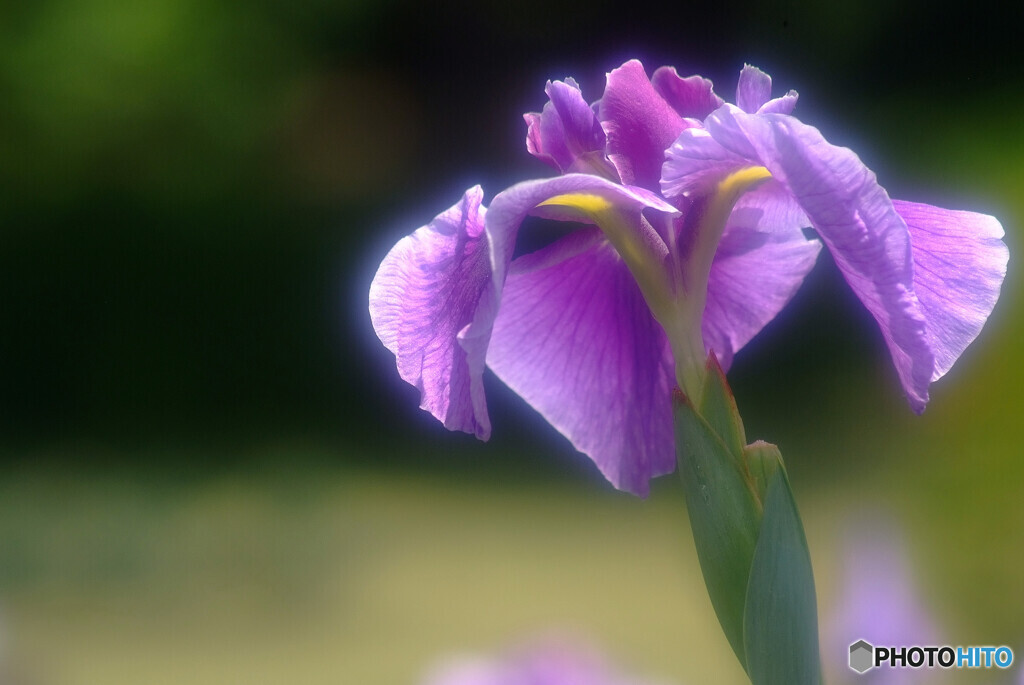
[
  {"x": 586, "y": 202},
  {"x": 741, "y": 181},
  {"x": 609, "y": 218},
  {"x": 716, "y": 214},
  {"x": 685, "y": 332}
]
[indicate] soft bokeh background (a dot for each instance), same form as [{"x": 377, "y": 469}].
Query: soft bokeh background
[{"x": 209, "y": 471}]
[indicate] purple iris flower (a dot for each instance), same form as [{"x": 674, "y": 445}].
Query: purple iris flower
[
  {"x": 549, "y": 661},
  {"x": 879, "y": 602},
  {"x": 692, "y": 241}
]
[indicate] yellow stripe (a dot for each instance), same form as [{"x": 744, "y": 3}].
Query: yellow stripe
[
  {"x": 586, "y": 202},
  {"x": 738, "y": 182}
]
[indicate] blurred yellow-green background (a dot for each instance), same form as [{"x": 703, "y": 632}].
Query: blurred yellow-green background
[{"x": 209, "y": 470}]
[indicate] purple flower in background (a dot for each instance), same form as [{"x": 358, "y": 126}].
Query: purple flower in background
[
  {"x": 879, "y": 602},
  {"x": 552, "y": 661},
  {"x": 693, "y": 240}
]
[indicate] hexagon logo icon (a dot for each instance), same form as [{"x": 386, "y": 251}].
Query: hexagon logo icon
[{"x": 861, "y": 656}]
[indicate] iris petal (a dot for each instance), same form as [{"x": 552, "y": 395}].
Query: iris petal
[
  {"x": 566, "y": 134},
  {"x": 754, "y": 275},
  {"x": 855, "y": 218},
  {"x": 639, "y": 123},
  {"x": 577, "y": 341},
  {"x": 691, "y": 97},
  {"x": 959, "y": 266},
  {"x": 425, "y": 295}
]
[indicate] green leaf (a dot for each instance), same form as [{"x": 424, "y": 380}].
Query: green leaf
[
  {"x": 781, "y": 619},
  {"x": 723, "y": 515}
]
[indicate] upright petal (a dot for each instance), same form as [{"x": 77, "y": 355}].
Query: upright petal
[
  {"x": 640, "y": 125},
  {"x": 425, "y": 294},
  {"x": 856, "y": 220},
  {"x": 567, "y": 134},
  {"x": 576, "y": 339},
  {"x": 692, "y": 97},
  {"x": 959, "y": 266},
  {"x": 753, "y": 89},
  {"x": 754, "y": 93}
]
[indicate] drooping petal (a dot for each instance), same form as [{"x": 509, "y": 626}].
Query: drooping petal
[
  {"x": 576, "y": 339},
  {"x": 425, "y": 294},
  {"x": 855, "y": 218},
  {"x": 754, "y": 275},
  {"x": 545, "y": 316},
  {"x": 639, "y": 123},
  {"x": 435, "y": 296},
  {"x": 692, "y": 97},
  {"x": 959, "y": 266},
  {"x": 567, "y": 134}
]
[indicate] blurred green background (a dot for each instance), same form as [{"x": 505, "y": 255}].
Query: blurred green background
[{"x": 211, "y": 473}]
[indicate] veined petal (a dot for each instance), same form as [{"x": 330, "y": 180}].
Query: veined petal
[
  {"x": 639, "y": 123},
  {"x": 692, "y": 97},
  {"x": 576, "y": 339},
  {"x": 424, "y": 296},
  {"x": 854, "y": 217},
  {"x": 567, "y": 134},
  {"x": 959, "y": 266},
  {"x": 579, "y": 292},
  {"x": 435, "y": 296},
  {"x": 758, "y": 268}
]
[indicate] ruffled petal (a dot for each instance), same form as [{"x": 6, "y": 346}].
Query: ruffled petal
[
  {"x": 854, "y": 217},
  {"x": 425, "y": 294},
  {"x": 576, "y": 340},
  {"x": 639, "y": 123},
  {"x": 567, "y": 134},
  {"x": 959, "y": 266},
  {"x": 692, "y": 97},
  {"x": 760, "y": 263}
]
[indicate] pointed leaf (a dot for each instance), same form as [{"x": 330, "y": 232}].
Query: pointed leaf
[{"x": 781, "y": 621}]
